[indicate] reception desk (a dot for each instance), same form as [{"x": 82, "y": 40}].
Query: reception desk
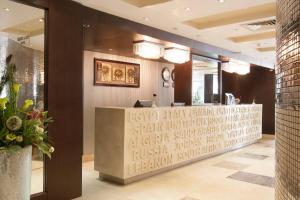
[{"x": 134, "y": 143}]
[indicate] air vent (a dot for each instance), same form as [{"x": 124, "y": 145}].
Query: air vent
[{"x": 261, "y": 25}]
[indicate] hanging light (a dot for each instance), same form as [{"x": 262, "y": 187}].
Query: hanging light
[
  {"x": 148, "y": 50},
  {"x": 176, "y": 55},
  {"x": 236, "y": 66},
  {"x": 227, "y": 67}
]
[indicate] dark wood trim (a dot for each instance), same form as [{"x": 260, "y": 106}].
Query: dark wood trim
[
  {"x": 43, "y": 4},
  {"x": 65, "y": 99},
  {"x": 183, "y": 82},
  {"x": 39, "y": 196},
  {"x": 116, "y": 85},
  {"x": 220, "y": 81}
]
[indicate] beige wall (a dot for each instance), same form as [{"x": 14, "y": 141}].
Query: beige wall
[{"x": 97, "y": 96}]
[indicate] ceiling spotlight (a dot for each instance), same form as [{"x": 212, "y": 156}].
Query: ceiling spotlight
[
  {"x": 187, "y": 9},
  {"x": 221, "y": 1},
  {"x": 7, "y": 9},
  {"x": 41, "y": 20}
]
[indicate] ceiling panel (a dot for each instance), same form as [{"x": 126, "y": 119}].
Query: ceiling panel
[
  {"x": 169, "y": 16},
  {"x": 266, "y": 49},
  {"x": 254, "y": 37},
  {"x": 234, "y": 16},
  {"x": 144, "y": 3}
]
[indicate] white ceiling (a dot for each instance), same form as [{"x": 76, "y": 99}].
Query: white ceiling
[
  {"x": 18, "y": 14},
  {"x": 170, "y": 15}
]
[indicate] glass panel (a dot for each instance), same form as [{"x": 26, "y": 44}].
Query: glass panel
[
  {"x": 22, "y": 35},
  {"x": 205, "y": 85}
]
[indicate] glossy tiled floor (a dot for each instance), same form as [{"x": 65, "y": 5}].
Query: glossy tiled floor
[{"x": 245, "y": 174}]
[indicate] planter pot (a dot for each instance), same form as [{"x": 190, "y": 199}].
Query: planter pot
[{"x": 15, "y": 174}]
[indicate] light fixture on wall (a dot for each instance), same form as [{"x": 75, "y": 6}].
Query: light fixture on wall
[
  {"x": 176, "y": 55},
  {"x": 236, "y": 66},
  {"x": 147, "y": 49}
]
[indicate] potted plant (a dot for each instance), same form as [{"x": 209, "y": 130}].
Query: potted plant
[{"x": 21, "y": 127}]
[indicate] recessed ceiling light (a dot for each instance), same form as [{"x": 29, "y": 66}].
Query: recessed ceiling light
[
  {"x": 146, "y": 19},
  {"x": 7, "y": 9},
  {"x": 221, "y": 1},
  {"x": 187, "y": 9},
  {"x": 41, "y": 20}
]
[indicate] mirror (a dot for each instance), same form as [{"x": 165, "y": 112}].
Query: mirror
[
  {"x": 205, "y": 84},
  {"x": 22, "y": 35}
]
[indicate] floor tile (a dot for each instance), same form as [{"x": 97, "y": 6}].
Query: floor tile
[
  {"x": 253, "y": 156},
  {"x": 198, "y": 181},
  {"x": 231, "y": 165},
  {"x": 253, "y": 178},
  {"x": 189, "y": 198}
]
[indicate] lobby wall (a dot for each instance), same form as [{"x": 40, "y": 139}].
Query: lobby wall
[
  {"x": 96, "y": 96},
  {"x": 259, "y": 84}
]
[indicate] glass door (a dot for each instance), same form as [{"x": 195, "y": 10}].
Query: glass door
[{"x": 22, "y": 35}]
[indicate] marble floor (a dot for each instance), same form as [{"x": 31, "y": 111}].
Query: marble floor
[
  {"x": 37, "y": 177},
  {"x": 244, "y": 174}
]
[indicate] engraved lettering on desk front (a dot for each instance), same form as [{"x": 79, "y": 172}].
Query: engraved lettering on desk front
[{"x": 158, "y": 138}]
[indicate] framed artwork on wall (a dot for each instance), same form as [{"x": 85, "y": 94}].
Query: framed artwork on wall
[{"x": 116, "y": 73}]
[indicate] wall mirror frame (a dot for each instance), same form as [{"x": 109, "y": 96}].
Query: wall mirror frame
[{"x": 206, "y": 80}]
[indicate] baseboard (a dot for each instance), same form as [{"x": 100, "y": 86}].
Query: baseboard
[
  {"x": 269, "y": 136},
  {"x": 87, "y": 158}
]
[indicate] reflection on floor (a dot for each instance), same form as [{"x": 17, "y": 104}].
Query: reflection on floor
[
  {"x": 37, "y": 177},
  {"x": 245, "y": 174}
]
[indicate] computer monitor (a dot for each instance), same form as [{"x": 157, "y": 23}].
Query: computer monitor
[
  {"x": 176, "y": 104},
  {"x": 143, "y": 103},
  {"x": 229, "y": 99}
]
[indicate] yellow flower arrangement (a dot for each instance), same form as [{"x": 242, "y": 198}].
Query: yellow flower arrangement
[{"x": 21, "y": 126}]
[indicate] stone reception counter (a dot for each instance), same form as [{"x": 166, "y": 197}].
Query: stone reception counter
[{"x": 134, "y": 143}]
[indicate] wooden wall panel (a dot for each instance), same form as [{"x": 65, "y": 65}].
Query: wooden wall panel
[
  {"x": 183, "y": 82},
  {"x": 259, "y": 84},
  {"x": 65, "y": 99},
  {"x": 208, "y": 87}
]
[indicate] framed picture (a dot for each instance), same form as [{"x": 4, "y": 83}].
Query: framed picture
[{"x": 116, "y": 73}]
